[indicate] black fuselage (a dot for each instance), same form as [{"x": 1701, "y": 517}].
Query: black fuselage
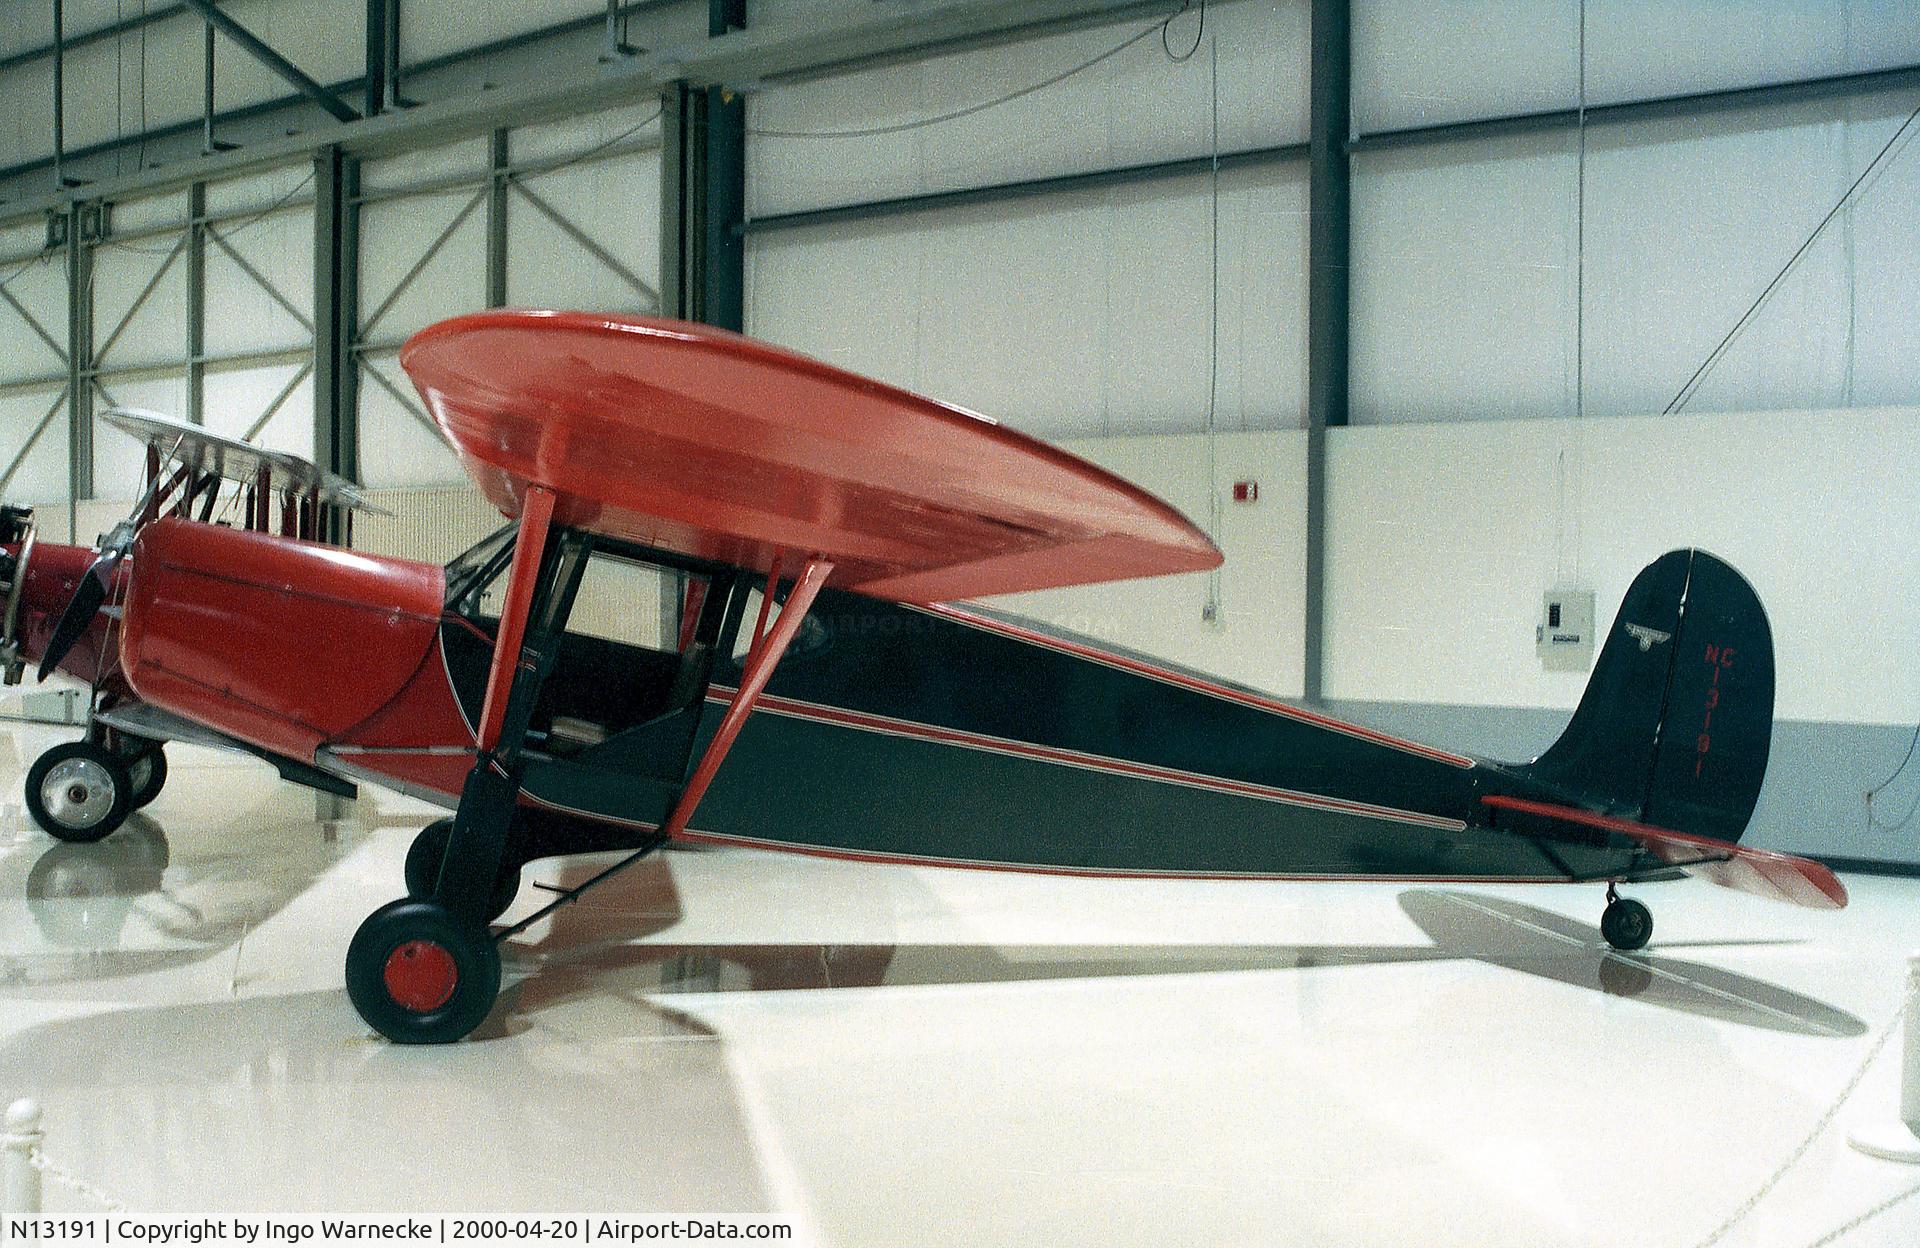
[{"x": 964, "y": 738}]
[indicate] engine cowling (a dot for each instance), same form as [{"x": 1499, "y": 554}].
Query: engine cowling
[{"x": 282, "y": 643}]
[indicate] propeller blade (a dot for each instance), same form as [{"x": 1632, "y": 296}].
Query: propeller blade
[{"x": 88, "y": 597}]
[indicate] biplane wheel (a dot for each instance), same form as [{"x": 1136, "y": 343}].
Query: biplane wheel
[
  {"x": 418, "y": 974},
  {"x": 1627, "y": 924},
  {"x": 148, "y": 772},
  {"x": 79, "y": 791},
  {"x": 429, "y": 850}
]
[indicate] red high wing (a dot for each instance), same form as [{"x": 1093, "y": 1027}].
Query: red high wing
[
  {"x": 1761, "y": 872},
  {"x": 690, "y": 438}
]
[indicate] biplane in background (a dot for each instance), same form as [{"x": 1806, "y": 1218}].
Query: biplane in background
[
  {"x": 83, "y": 790},
  {"x": 815, "y": 694}
]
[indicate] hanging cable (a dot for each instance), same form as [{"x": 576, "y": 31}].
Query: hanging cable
[
  {"x": 1692, "y": 385},
  {"x": 1873, "y": 823},
  {"x": 866, "y": 132},
  {"x": 1576, "y": 478},
  {"x": 31, "y": 262},
  {"x": 1181, "y": 58},
  {"x": 1210, "y": 610},
  {"x": 239, "y": 224},
  {"x": 143, "y": 85},
  {"x": 597, "y": 148},
  {"x": 119, "y": 86}
]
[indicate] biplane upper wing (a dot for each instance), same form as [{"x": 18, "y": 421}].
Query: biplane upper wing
[
  {"x": 203, "y": 450},
  {"x": 689, "y": 438},
  {"x": 1762, "y": 872}
]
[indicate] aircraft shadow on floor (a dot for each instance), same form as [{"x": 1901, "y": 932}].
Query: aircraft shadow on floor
[
  {"x": 602, "y": 948},
  {"x": 271, "y": 1085},
  {"x": 1533, "y": 941},
  {"x": 139, "y": 902}
]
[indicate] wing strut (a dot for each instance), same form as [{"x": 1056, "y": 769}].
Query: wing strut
[
  {"x": 535, "y": 518},
  {"x": 761, "y": 660},
  {"x": 477, "y": 844}
]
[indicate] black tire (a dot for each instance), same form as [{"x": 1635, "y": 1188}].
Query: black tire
[
  {"x": 429, "y": 850},
  {"x": 1626, "y": 924},
  {"x": 79, "y": 791},
  {"x": 148, "y": 772},
  {"x": 418, "y": 974}
]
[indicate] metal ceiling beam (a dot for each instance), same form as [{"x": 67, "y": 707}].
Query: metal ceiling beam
[
  {"x": 197, "y": 233},
  {"x": 382, "y": 81},
  {"x": 1694, "y": 104},
  {"x": 59, "y": 91},
  {"x": 111, "y": 30},
  {"x": 703, "y": 192},
  {"x": 1193, "y": 166},
  {"x": 336, "y": 314},
  {"x": 498, "y": 166},
  {"x": 286, "y": 69},
  {"x": 740, "y": 60},
  {"x": 724, "y": 259},
  {"x": 1329, "y": 125},
  {"x": 79, "y": 361}
]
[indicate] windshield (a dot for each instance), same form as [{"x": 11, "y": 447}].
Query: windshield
[{"x": 472, "y": 571}]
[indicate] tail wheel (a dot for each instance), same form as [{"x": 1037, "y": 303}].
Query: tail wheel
[
  {"x": 418, "y": 974},
  {"x": 79, "y": 791},
  {"x": 148, "y": 772},
  {"x": 429, "y": 850},
  {"x": 1626, "y": 924}
]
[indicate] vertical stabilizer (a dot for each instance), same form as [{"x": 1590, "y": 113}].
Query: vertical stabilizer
[{"x": 1677, "y": 720}]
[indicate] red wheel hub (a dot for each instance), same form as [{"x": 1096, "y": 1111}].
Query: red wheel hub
[{"x": 421, "y": 976}]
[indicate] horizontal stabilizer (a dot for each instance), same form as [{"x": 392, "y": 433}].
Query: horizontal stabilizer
[{"x": 1761, "y": 872}]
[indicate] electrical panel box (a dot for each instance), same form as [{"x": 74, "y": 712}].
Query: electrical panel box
[{"x": 1564, "y": 635}]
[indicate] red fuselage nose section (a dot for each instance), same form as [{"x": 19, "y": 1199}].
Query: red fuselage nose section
[
  {"x": 282, "y": 643},
  {"x": 53, "y": 572}
]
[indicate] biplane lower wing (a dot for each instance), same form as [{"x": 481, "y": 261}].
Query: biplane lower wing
[{"x": 1762, "y": 872}]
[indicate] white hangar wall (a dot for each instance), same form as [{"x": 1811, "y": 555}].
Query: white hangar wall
[
  {"x": 1083, "y": 313},
  {"x": 1416, "y": 63},
  {"x": 33, "y": 370},
  {"x": 1509, "y": 368},
  {"x": 1467, "y": 260}
]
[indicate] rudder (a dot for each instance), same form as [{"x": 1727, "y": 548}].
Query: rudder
[{"x": 1677, "y": 720}]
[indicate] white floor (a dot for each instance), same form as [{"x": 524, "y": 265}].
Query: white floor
[{"x": 892, "y": 1056}]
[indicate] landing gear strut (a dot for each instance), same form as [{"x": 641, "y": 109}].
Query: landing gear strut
[
  {"x": 429, "y": 850},
  {"x": 1626, "y": 924},
  {"x": 147, "y": 769},
  {"x": 427, "y": 969}
]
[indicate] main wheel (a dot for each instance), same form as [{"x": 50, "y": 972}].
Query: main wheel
[
  {"x": 79, "y": 791},
  {"x": 1626, "y": 924},
  {"x": 420, "y": 975},
  {"x": 148, "y": 772},
  {"x": 429, "y": 850}
]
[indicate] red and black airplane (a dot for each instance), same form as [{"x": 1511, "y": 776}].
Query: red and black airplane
[{"x": 847, "y": 712}]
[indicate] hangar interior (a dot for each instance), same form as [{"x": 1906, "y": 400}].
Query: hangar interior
[{"x": 1423, "y": 313}]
